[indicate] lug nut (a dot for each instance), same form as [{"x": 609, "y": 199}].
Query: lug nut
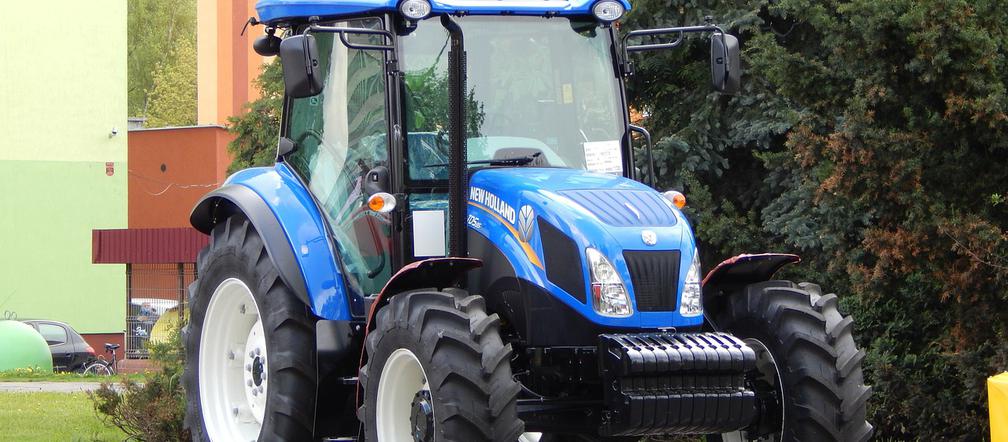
[
  {"x": 257, "y": 352},
  {"x": 234, "y": 411},
  {"x": 248, "y": 382},
  {"x": 230, "y": 355},
  {"x": 248, "y": 367}
]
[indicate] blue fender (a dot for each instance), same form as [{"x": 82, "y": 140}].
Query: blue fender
[{"x": 282, "y": 210}]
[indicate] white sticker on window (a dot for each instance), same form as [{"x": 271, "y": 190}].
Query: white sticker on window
[
  {"x": 429, "y": 233},
  {"x": 603, "y": 157}
]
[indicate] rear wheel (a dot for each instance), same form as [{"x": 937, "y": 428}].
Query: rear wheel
[
  {"x": 808, "y": 365},
  {"x": 98, "y": 369},
  {"x": 250, "y": 345},
  {"x": 438, "y": 370}
]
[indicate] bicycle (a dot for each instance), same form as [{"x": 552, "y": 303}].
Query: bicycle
[{"x": 101, "y": 367}]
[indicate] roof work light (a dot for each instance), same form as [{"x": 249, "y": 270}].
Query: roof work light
[
  {"x": 415, "y": 9},
  {"x": 608, "y": 11}
]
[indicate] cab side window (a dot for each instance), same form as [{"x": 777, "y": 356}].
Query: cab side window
[{"x": 341, "y": 134}]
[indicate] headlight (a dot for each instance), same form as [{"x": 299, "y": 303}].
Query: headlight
[
  {"x": 608, "y": 11},
  {"x": 609, "y": 295},
  {"x": 415, "y": 9},
  {"x": 690, "y": 303}
]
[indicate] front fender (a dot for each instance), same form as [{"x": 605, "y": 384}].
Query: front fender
[
  {"x": 741, "y": 270},
  {"x": 293, "y": 231}
]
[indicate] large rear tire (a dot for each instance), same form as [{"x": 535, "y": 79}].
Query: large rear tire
[
  {"x": 807, "y": 359},
  {"x": 250, "y": 369},
  {"x": 438, "y": 370}
]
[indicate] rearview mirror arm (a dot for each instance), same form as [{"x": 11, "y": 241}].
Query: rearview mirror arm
[
  {"x": 342, "y": 31},
  {"x": 648, "y": 152},
  {"x": 680, "y": 31}
]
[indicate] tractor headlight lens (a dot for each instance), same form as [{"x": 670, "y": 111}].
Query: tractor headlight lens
[
  {"x": 415, "y": 9},
  {"x": 608, "y": 11},
  {"x": 609, "y": 295},
  {"x": 691, "y": 304}
]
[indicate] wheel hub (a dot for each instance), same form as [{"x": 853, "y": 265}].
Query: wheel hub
[
  {"x": 255, "y": 365},
  {"x": 257, "y": 371},
  {"x": 422, "y": 417}
]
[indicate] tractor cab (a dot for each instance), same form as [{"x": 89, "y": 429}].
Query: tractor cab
[{"x": 372, "y": 110}]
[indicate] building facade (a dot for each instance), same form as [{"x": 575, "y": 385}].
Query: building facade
[{"x": 63, "y": 161}]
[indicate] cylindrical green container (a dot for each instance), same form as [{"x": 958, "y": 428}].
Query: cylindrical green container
[{"x": 23, "y": 347}]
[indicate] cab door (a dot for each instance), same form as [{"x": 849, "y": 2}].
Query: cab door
[{"x": 342, "y": 153}]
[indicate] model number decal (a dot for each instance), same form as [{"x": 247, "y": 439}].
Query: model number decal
[{"x": 493, "y": 202}]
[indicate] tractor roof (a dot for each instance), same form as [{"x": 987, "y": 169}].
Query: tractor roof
[{"x": 274, "y": 11}]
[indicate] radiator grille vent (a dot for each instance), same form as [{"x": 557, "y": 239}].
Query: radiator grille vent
[{"x": 655, "y": 278}]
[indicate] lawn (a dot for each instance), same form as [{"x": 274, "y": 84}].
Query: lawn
[
  {"x": 23, "y": 375},
  {"x": 52, "y": 417}
]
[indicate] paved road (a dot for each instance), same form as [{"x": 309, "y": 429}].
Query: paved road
[{"x": 55, "y": 387}]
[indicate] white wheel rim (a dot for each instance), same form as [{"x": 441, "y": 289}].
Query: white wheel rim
[
  {"x": 401, "y": 379},
  {"x": 763, "y": 357},
  {"x": 232, "y": 364}
]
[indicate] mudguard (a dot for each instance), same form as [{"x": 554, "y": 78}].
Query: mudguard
[
  {"x": 293, "y": 230},
  {"x": 435, "y": 272},
  {"x": 744, "y": 269}
]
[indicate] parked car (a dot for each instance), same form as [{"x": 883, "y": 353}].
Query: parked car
[{"x": 70, "y": 352}]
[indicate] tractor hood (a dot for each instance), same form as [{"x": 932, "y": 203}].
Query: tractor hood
[{"x": 541, "y": 219}]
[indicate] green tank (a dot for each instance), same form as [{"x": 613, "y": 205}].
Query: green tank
[{"x": 23, "y": 348}]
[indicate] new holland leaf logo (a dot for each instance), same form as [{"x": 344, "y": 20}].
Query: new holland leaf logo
[{"x": 526, "y": 220}]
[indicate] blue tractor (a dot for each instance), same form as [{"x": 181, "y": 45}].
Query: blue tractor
[{"x": 456, "y": 243}]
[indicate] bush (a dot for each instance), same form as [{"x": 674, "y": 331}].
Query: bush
[{"x": 154, "y": 410}]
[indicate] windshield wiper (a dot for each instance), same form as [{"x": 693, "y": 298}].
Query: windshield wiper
[{"x": 513, "y": 161}]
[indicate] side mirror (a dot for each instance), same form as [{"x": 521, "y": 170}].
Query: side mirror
[
  {"x": 726, "y": 68},
  {"x": 267, "y": 45},
  {"x": 299, "y": 56},
  {"x": 376, "y": 180}
]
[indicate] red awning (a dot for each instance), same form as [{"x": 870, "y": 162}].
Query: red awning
[{"x": 146, "y": 246}]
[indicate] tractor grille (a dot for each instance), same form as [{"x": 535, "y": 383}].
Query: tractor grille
[{"x": 655, "y": 278}]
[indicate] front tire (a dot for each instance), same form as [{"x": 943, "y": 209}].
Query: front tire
[
  {"x": 250, "y": 369},
  {"x": 438, "y": 370},
  {"x": 807, "y": 359}
]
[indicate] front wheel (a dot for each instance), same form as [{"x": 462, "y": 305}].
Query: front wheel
[
  {"x": 250, "y": 345},
  {"x": 438, "y": 370},
  {"x": 808, "y": 365}
]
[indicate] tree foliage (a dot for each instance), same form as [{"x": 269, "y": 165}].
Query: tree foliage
[
  {"x": 173, "y": 96},
  {"x": 155, "y": 30},
  {"x": 870, "y": 137},
  {"x": 256, "y": 130}
]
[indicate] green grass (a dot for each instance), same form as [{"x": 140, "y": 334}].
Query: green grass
[
  {"x": 52, "y": 417},
  {"x": 26, "y": 375}
]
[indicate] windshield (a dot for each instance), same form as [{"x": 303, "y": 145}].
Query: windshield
[{"x": 539, "y": 88}]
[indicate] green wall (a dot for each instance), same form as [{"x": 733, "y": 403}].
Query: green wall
[{"x": 62, "y": 91}]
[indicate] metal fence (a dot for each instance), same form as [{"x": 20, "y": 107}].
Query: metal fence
[{"x": 155, "y": 303}]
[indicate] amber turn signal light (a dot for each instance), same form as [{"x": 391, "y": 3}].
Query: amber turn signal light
[
  {"x": 676, "y": 197},
  {"x": 381, "y": 202}
]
